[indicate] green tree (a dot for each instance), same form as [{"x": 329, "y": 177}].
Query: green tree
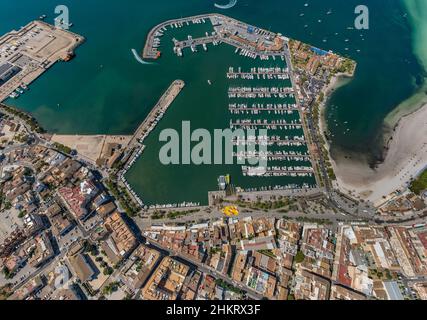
[{"x": 299, "y": 257}]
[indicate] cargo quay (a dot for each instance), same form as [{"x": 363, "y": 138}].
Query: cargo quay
[{"x": 27, "y": 53}]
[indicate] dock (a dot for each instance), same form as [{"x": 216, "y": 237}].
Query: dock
[
  {"x": 135, "y": 147},
  {"x": 253, "y": 42},
  {"x": 159, "y": 109},
  {"x": 150, "y": 49}
]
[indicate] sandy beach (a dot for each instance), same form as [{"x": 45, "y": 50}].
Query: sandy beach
[
  {"x": 407, "y": 152},
  {"x": 90, "y": 147},
  {"x": 406, "y": 158}
]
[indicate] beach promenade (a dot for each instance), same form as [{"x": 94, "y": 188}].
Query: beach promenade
[{"x": 159, "y": 109}]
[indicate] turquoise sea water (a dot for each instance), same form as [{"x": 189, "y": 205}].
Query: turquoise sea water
[{"x": 105, "y": 90}]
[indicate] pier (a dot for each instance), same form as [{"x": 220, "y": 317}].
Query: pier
[
  {"x": 158, "y": 111},
  {"x": 151, "y": 49},
  {"x": 135, "y": 148},
  {"x": 193, "y": 43}
]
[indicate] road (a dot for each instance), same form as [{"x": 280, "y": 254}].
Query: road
[
  {"x": 334, "y": 218},
  {"x": 40, "y": 270},
  {"x": 312, "y": 131}
]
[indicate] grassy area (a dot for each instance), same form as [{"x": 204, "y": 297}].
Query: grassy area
[
  {"x": 179, "y": 214},
  {"x": 172, "y": 214},
  {"x": 316, "y": 116},
  {"x": 106, "y": 268},
  {"x": 64, "y": 149},
  {"x": 229, "y": 287},
  {"x": 3, "y": 201},
  {"x": 299, "y": 257},
  {"x": 419, "y": 184},
  {"x": 158, "y": 215},
  {"x": 314, "y": 220},
  {"x": 21, "y": 138},
  {"x": 5, "y": 292},
  {"x": 381, "y": 275},
  {"x": 347, "y": 66},
  {"x": 22, "y": 214},
  {"x": 90, "y": 248},
  {"x": 215, "y": 250}
]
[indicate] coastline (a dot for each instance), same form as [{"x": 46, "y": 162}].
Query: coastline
[
  {"x": 339, "y": 80},
  {"x": 403, "y": 137},
  {"x": 406, "y": 158},
  {"x": 405, "y": 144},
  {"x": 91, "y": 147}
]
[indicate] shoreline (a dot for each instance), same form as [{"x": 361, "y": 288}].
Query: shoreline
[
  {"x": 404, "y": 140},
  {"x": 406, "y": 157},
  {"x": 408, "y": 107},
  {"x": 339, "y": 80},
  {"x": 92, "y": 148}
]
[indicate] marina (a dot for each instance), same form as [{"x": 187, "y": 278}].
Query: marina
[
  {"x": 277, "y": 117},
  {"x": 153, "y": 41},
  {"x": 252, "y": 42},
  {"x": 258, "y": 95},
  {"x": 273, "y": 141}
]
